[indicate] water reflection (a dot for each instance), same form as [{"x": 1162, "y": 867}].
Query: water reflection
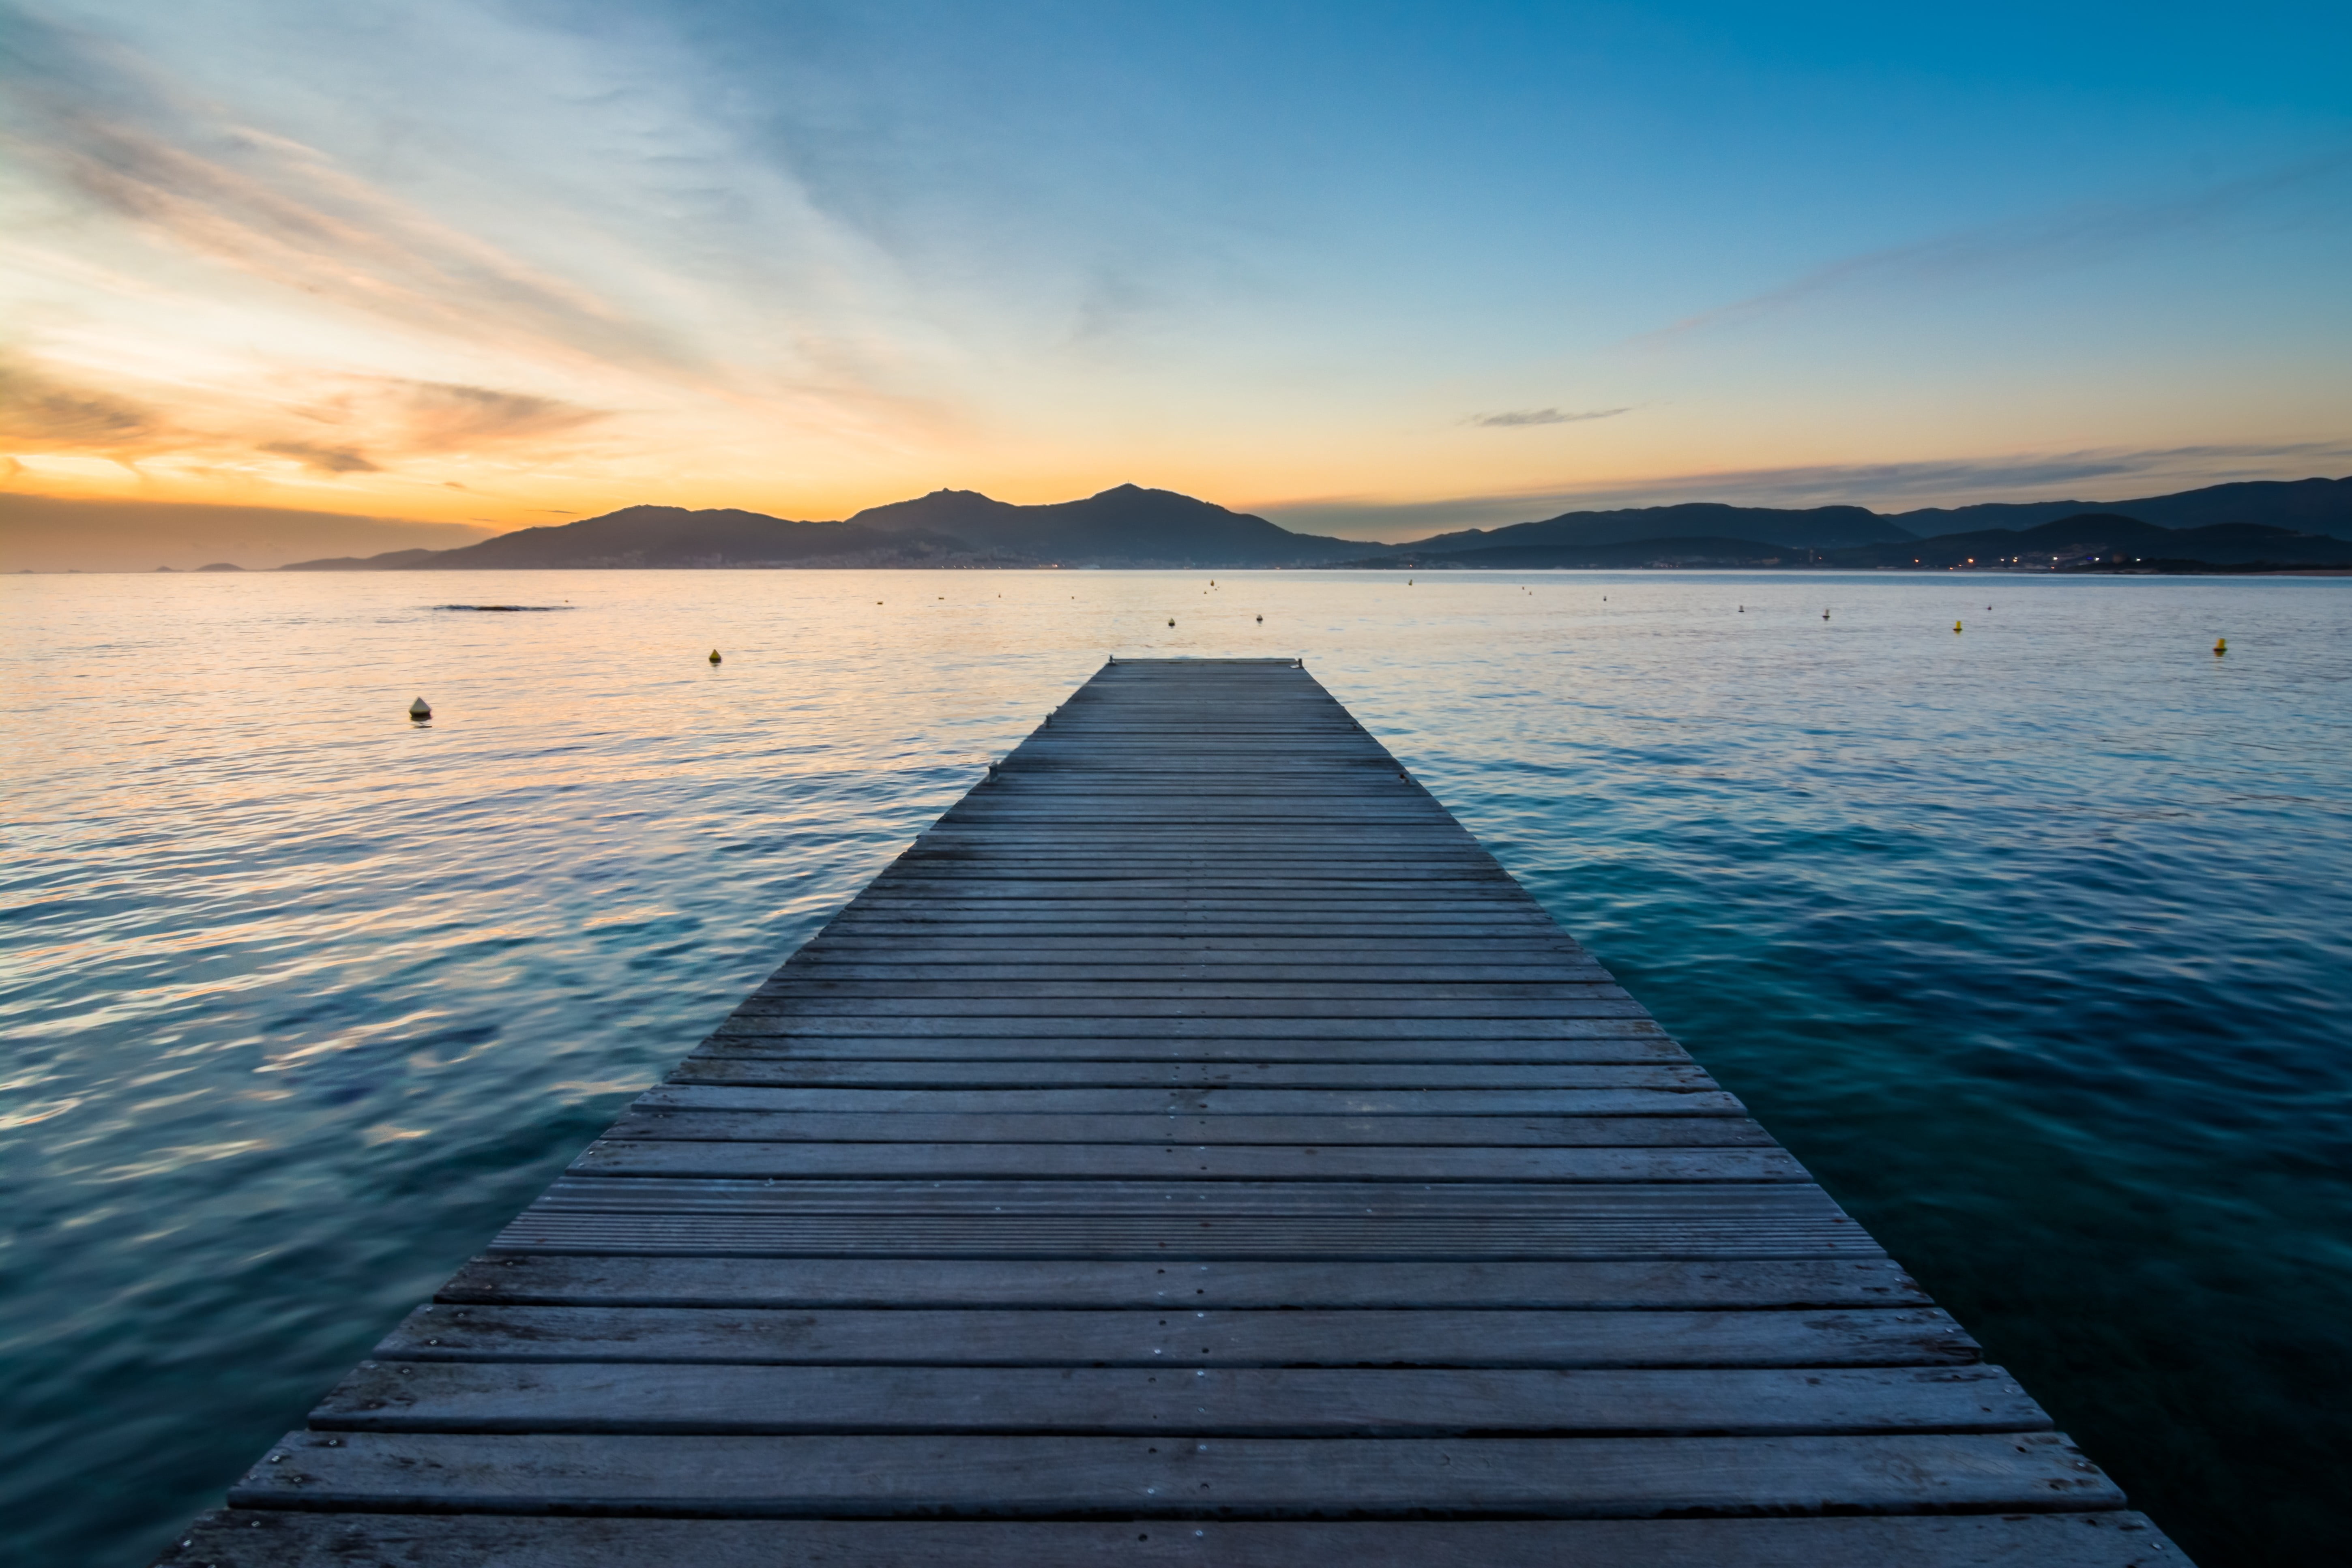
[{"x": 2030, "y": 942}]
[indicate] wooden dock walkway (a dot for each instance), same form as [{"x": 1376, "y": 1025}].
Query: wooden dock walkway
[{"x": 1194, "y": 1149}]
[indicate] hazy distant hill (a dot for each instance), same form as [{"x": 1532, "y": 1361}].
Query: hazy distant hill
[
  {"x": 2312, "y": 506},
  {"x": 1128, "y": 526},
  {"x": 673, "y": 536},
  {"x": 389, "y": 561},
  {"x": 1815, "y": 528},
  {"x": 59, "y": 533}
]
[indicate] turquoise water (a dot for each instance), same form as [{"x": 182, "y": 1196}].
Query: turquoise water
[{"x": 2032, "y": 940}]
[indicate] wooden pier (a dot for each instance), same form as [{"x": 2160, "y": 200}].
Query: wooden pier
[{"x": 1195, "y": 1149}]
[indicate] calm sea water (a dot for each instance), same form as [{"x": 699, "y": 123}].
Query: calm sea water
[{"x": 2032, "y": 940}]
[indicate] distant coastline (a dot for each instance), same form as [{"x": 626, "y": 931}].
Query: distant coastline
[
  {"x": 2267, "y": 527},
  {"x": 2292, "y": 527}
]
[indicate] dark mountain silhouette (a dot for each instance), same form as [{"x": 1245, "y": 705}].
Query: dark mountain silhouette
[
  {"x": 1128, "y": 526},
  {"x": 2111, "y": 536},
  {"x": 1816, "y": 528},
  {"x": 2085, "y": 539},
  {"x": 2314, "y": 506},
  {"x": 1621, "y": 555},
  {"x": 2302, "y": 523}
]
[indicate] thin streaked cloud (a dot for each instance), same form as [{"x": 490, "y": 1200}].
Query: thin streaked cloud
[
  {"x": 2076, "y": 236},
  {"x": 1542, "y": 417}
]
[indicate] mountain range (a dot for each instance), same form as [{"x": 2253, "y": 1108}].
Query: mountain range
[{"x": 2301, "y": 522}]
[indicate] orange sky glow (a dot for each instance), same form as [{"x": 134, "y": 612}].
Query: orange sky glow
[{"x": 596, "y": 274}]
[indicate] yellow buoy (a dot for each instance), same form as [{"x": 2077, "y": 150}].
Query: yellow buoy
[
  {"x": 714, "y": 655},
  {"x": 1956, "y": 626},
  {"x": 2221, "y": 646}
]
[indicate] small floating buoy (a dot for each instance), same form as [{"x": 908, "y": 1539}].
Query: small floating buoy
[
  {"x": 420, "y": 712},
  {"x": 1171, "y": 620},
  {"x": 1825, "y": 615},
  {"x": 714, "y": 655},
  {"x": 1260, "y": 620},
  {"x": 1743, "y": 609},
  {"x": 1956, "y": 626},
  {"x": 2221, "y": 646}
]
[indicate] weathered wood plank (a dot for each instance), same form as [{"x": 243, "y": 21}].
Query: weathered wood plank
[
  {"x": 1474, "y": 1005},
  {"x": 1015, "y": 1073},
  {"x": 1196, "y": 1131},
  {"x": 1758, "y": 1203},
  {"x": 1428, "y": 1031},
  {"x": 1128, "y": 1162},
  {"x": 269, "y": 1539},
  {"x": 1202, "y": 1056},
  {"x": 932, "y": 965},
  {"x": 994, "y": 1219},
  {"x": 1186, "y": 1336},
  {"x": 806, "y": 993},
  {"x": 1200, "y": 1100},
  {"x": 644, "y": 1398},
  {"x": 736, "y": 1282},
  {"x": 1139, "y": 1477},
  {"x": 1530, "y": 946},
  {"x": 1038, "y": 931}
]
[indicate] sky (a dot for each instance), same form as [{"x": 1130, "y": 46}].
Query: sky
[{"x": 1368, "y": 268}]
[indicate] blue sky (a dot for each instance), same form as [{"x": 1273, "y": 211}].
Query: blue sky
[{"x": 1362, "y": 268}]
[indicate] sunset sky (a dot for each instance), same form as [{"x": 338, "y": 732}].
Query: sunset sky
[{"x": 1366, "y": 269}]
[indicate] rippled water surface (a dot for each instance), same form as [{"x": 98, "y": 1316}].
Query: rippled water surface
[{"x": 2031, "y": 940}]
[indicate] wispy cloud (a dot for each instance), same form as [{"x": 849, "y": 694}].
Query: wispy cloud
[
  {"x": 190, "y": 173},
  {"x": 42, "y": 413},
  {"x": 448, "y": 416},
  {"x": 431, "y": 419},
  {"x": 2079, "y": 235},
  {"x": 1542, "y": 417},
  {"x": 2113, "y": 473},
  {"x": 377, "y": 423},
  {"x": 322, "y": 459}
]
